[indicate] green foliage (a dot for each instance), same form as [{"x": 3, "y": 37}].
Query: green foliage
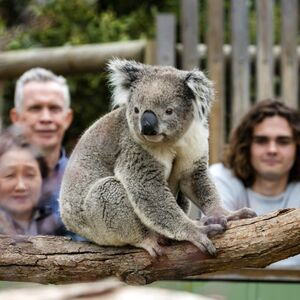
[
  {"x": 77, "y": 22},
  {"x": 60, "y": 22}
]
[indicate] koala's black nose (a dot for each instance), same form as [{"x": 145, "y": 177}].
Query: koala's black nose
[{"x": 149, "y": 123}]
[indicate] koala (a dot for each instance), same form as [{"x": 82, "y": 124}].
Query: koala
[{"x": 132, "y": 174}]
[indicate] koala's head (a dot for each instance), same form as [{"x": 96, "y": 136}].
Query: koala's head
[{"x": 161, "y": 102}]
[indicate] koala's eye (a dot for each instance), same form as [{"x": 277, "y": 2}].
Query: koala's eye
[
  {"x": 169, "y": 111},
  {"x": 136, "y": 110}
]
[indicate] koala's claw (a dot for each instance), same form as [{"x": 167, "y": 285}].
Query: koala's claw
[
  {"x": 203, "y": 242},
  {"x": 243, "y": 213},
  {"x": 214, "y": 229},
  {"x": 152, "y": 246},
  {"x": 206, "y": 245},
  {"x": 221, "y": 220}
]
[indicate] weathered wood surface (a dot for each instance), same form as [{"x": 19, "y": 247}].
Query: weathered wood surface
[{"x": 253, "y": 242}]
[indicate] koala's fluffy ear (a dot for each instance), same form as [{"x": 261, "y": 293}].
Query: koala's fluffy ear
[
  {"x": 122, "y": 75},
  {"x": 202, "y": 89}
]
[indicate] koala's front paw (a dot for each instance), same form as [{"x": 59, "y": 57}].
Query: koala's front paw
[
  {"x": 202, "y": 241},
  {"x": 243, "y": 213},
  {"x": 221, "y": 220}
]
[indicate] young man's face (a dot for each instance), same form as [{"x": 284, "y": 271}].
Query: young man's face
[
  {"x": 43, "y": 114},
  {"x": 273, "y": 148}
]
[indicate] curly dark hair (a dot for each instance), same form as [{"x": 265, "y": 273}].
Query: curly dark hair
[
  {"x": 13, "y": 137},
  {"x": 237, "y": 152}
]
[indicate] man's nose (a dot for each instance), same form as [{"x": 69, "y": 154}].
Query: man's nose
[{"x": 45, "y": 115}]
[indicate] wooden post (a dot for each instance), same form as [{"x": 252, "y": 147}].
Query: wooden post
[
  {"x": 189, "y": 33},
  {"x": 150, "y": 53},
  {"x": 240, "y": 100},
  {"x": 165, "y": 39},
  {"x": 215, "y": 62},
  {"x": 289, "y": 60},
  {"x": 264, "y": 57}
]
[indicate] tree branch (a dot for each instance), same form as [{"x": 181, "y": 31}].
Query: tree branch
[{"x": 255, "y": 242}]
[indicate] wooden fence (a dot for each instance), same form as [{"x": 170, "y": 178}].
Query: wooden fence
[{"x": 242, "y": 73}]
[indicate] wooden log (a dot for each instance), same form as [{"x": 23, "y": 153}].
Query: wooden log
[
  {"x": 69, "y": 59},
  {"x": 255, "y": 242}
]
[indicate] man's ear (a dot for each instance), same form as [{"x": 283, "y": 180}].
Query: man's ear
[
  {"x": 14, "y": 116},
  {"x": 69, "y": 118}
]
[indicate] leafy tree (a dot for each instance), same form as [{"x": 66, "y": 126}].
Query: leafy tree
[{"x": 59, "y": 22}]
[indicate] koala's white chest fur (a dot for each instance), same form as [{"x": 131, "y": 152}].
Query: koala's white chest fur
[
  {"x": 165, "y": 156},
  {"x": 181, "y": 156}
]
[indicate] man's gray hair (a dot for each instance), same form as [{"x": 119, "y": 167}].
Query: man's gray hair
[{"x": 40, "y": 75}]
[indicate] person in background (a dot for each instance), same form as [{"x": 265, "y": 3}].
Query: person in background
[
  {"x": 42, "y": 108},
  {"x": 261, "y": 166},
  {"x": 22, "y": 169}
]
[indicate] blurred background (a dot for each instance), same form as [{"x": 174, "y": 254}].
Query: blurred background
[{"x": 249, "y": 48}]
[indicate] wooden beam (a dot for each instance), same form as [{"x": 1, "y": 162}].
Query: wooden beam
[
  {"x": 254, "y": 274},
  {"x": 69, "y": 59}
]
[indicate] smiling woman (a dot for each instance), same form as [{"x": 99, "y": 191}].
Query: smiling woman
[{"x": 22, "y": 168}]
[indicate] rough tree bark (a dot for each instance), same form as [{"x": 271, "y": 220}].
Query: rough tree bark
[{"x": 253, "y": 242}]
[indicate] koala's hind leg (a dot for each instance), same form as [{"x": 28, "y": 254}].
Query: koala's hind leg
[{"x": 111, "y": 220}]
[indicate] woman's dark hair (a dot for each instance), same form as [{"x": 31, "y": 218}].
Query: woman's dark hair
[
  {"x": 237, "y": 153},
  {"x": 13, "y": 138}
]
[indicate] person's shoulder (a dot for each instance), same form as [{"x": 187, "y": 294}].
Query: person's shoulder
[
  {"x": 221, "y": 172},
  {"x": 294, "y": 187},
  {"x": 292, "y": 194},
  {"x": 220, "y": 169},
  {"x": 63, "y": 159},
  {"x": 230, "y": 188},
  {"x": 6, "y": 226}
]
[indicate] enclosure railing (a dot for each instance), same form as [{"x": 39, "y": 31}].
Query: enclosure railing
[{"x": 242, "y": 73}]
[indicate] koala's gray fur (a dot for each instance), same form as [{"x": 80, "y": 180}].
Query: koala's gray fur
[{"x": 130, "y": 173}]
